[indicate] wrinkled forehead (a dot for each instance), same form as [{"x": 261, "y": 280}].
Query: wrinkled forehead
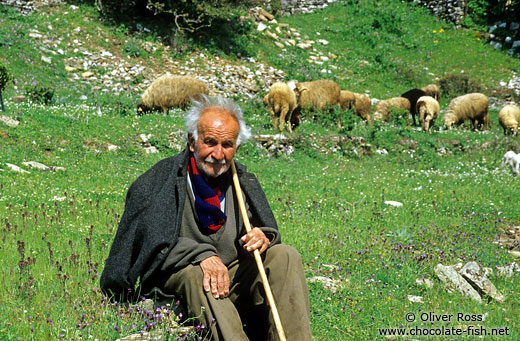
[{"x": 217, "y": 120}]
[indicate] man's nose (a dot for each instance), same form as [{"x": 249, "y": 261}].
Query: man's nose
[{"x": 218, "y": 152}]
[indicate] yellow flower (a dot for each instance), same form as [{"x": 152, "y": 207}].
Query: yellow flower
[
  {"x": 478, "y": 38},
  {"x": 434, "y": 31},
  {"x": 435, "y": 41},
  {"x": 441, "y": 30}
]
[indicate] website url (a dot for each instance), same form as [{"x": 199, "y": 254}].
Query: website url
[{"x": 444, "y": 331}]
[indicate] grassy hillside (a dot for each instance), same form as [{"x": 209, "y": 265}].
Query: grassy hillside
[{"x": 328, "y": 197}]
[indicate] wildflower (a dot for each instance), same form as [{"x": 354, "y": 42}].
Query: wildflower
[
  {"x": 434, "y": 31},
  {"x": 435, "y": 41},
  {"x": 441, "y": 30}
]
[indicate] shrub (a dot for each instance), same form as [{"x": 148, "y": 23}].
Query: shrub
[
  {"x": 456, "y": 85},
  {"x": 39, "y": 94}
]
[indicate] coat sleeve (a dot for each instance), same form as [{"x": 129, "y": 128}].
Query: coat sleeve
[{"x": 115, "y": 279}]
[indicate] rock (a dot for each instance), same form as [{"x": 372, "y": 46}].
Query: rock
[
  {"x": 17, "y": 169},
  {"x": 87, "y": 74},
  {"x": 150, "y": 150},
  {"x": 508, "y": 270},
  {"x": 37, "y": 165},
  {"x": 323, "y": 42},
  {"x": 47, "y": 60},
  {"x": 70, "y": 68},
  {"x": 424, "y": 282},
  {"x": 454, "y": 281},
  {"x": 11, "y": 122},
  {"x": 261, "y": 27},
  {"x": 415, "y": 299},
  {"x": 514, "y": 26},
  {"x": 515, "y": 253},
  {"x": 474, "y": 274},
  {"x": 329, "y": 283},
  {"x": 516, "y": 44},
  {"x": 19, "y": 99},
  {"x": 271, "y": 35},
  {"x": 393, "y": 203},
  {"x": 144, "y": 138},
  {"x": 304, "y": 46},
  {"x": 266, "y": 14},
  {"x": 112, "y": 147},
  {"x": 280, "y": 45}
]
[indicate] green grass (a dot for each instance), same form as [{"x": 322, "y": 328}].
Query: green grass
[{"x": 57, "y": 227}]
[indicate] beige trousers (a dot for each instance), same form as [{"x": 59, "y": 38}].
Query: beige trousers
[{"x": 245, "y": 313}]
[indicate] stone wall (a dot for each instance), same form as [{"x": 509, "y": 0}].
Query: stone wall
[
  {"x": 289, "y": 7},
  {"x": 449, "y": 10}
]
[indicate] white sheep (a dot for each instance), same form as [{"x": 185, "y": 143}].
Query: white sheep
[
  {"x": 432, "y": 90},
  {"x": 346, "y": 99},
  {"x": 170, "y": 91},
  {"x": 428, "y": 109},
  {"x": 513, "y": 160},
  {"x": 281, "y": 102},
  {"x": 509, "y": 119},
  {"x": 383, "y": 109},
  {"x": 473, "y": 107}
]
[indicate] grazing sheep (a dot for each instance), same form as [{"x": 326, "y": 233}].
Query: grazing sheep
[
  {"x": 432, "y": 90},
  {"x": 281, "y": 102},
  {"x": 473, "y": 107},
  {"x": 513, "y": 160},
  {"x": 346, "y": 99},
  {"x": 413, "y": 95},
  {"x": 170, "y": 91},
  {"x": 318, "y": 95},
  {"x": 428, "y": 109},
  {"x": 509, "y": 119},
  {"x": 362, "y": 106},
  {"x": 383, "y": 109}
]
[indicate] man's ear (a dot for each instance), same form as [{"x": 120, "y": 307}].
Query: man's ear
[{"x": 191, "y": 142}]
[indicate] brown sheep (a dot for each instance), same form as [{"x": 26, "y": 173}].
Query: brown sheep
[
  {"x": 346, "y": 99},
  {"x": 383, "y": 109},
  {"x": 473, "y": 107},
  {"x": 170, "y": 91},
  {"x": 281, "y": 102},
  {"x": 509, "y": 119},
  {"x": 428, "y": 109},
  {"x": 432, "y": 90},
  {"x": 362, "y": 106},
  {"x": 318, "y": 95}
]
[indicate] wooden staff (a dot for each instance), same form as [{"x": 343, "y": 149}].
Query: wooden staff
[{"x": 258, "y": 259}]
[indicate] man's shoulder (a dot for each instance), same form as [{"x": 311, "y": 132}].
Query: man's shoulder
[{"x": 159, "y": 173}]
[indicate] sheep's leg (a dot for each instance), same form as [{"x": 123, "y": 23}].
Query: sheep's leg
[
  {"x": 289, "y": 117},
  {"x": 273, "y": 117},
  {"x": 283, "y": 113}
]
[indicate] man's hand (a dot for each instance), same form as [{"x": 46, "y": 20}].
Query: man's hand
[
  {"x": 255, "y": 240},
  {"x": 216, "y": 278}
]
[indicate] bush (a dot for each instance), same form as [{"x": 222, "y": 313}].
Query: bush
[
  {"x": 457, "y": 85},
  {"x": 39, "y": 94}
]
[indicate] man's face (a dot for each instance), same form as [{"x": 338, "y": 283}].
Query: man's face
[{"x": 216, "y": 142}]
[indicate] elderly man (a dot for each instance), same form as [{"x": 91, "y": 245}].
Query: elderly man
[{"x": 182, "y": 234}]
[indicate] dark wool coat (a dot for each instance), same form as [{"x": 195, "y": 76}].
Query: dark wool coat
[{"x": 149, "y": 227}]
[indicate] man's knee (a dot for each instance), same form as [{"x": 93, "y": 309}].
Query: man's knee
[
  {"x": 282, "y": 256},
  {"x": 186, "y": 279}
]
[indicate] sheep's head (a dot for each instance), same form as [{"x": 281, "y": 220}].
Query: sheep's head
[
  {"x": 142, "y": 109},
  {"x": 266, "y": 100},
  {"x": 450, "y": 119}
]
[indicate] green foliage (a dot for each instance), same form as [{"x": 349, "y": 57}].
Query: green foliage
[
  {"x": 39, "y": 93},
  {"x": 133, "y": 49},
  {"x": 5, "y": 76},
  {"x": 454, "y": 85}
]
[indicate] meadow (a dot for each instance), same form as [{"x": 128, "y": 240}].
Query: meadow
[{"x": 329, "y": 201}]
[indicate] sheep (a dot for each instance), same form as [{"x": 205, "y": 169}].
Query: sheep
[
  {"x": 413, "y": 95},
  {"x": 513, "y": 160},
  {"x": 382, "y": 111},
  {"x": 281, "y": 102},
  {"x": 509, "y": 119},
  {"x": 360, "y": 103},
  {"x": 170, "y": 91},
  {"x": 362, "y": 106},
  {"x": 317, "y": 95},
  {"x": 432, "y": 90},
  {"x": 346, "y": 99},
  {"x": 473, "y": 107},
  {"x": 428, "y": 109}
]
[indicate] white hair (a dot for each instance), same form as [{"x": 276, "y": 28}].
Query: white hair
[{"x": 195, "y": 112}]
